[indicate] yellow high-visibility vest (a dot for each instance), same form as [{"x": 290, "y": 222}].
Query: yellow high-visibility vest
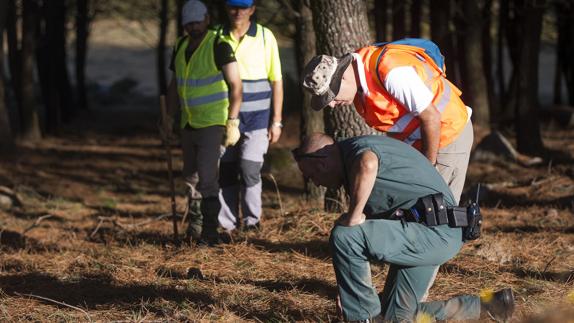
[{"x": 202, "y": 90}]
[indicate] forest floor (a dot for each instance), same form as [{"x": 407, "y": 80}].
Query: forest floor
[{"x": 92, "y": 242}]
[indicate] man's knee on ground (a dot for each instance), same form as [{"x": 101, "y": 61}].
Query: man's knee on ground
[
  {"x": 228, "y": 174},
  {"x": 250, "y": 172}
]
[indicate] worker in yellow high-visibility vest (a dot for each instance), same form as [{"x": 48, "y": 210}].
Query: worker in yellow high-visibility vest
[{"x": 207, "y": 87}]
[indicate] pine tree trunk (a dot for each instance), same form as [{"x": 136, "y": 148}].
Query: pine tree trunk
[
  {"x": 82, "y": 34},
  {"x": 178, "y": 26},
  {"x": 6, "y": 139},
  {"x": 13, "y": 46},
  {"x": 160, "y": 64},
  {"x": 341, "y": 26},
  {"x": 565, "y": 49},
  {"x": 399, "y": 18},
  {"x": 52, "y": 64},
  {"x": 440, "y": 13},
  {"x": 502, "y": 22},
  {"x": 416, "y": 12},
  {"x": 380, "y": 13},
  {"x": 474, "y": 91},
  {"x": 30, "y": 130},
  {"x": 528, "y": 139},
  {"x": 311, "y": 121},
  {"x": 487, "y": 62}
]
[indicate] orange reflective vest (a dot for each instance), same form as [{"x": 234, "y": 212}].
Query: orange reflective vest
[{"x": 384, "y": 113}]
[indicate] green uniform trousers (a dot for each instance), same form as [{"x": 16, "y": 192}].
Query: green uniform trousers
[{"x": 413, "y": 251}]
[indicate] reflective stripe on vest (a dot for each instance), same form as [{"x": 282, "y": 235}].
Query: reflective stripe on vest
[
  {"x": 202, "y": 90},
  {"x": 384, "y": 113},
  {"x": 256, "y": 95}
]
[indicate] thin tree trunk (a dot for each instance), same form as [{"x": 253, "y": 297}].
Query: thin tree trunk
[
  {"x": 416, "y": 12},
  {"x": 380, "y": 13},
  {"x": 528, "y": 139},
  {"x": 399, "y": 17},
  {"x": 502, "y": 25},
  {"x": 471, "y": 59},
  {"x": 28, "y": 108},
  {"x": 161, "y": 71},
  {"x": 341, "y": 27},
  {"x": 13, "y": 45},
  {"x": 487, "y": 57},
  {"x": 82, "y": 34},
  {"x": 565, "y": 50},
  {"x": 440, "y": 12},
  {"x": 6, "y": 139},
  {"x": 52, "y": 65},
  {"x": 311, "y": 121},
  {"x": 178, "y": 26}
]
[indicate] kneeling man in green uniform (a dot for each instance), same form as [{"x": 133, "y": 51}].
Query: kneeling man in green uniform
[{"x": 387, "y": 182}]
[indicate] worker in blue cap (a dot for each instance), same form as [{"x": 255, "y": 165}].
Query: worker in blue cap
[{"x": 257, "y": 55}]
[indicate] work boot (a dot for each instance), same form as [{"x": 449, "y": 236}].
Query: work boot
[
  {"x": 194, "y": 219},
  {"x": 210, "y": 207},
  {"x": 498, "y": 306}
]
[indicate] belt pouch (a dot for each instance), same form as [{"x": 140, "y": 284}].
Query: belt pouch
[
  {"x": 428, "y": 210},
  {"x": 440, "y": 209},
  {"x": 457, "y": 217}
]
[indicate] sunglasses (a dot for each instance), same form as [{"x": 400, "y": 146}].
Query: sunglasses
[{"x": 298, "y": 155}]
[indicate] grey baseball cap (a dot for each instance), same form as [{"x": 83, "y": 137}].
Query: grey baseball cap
[
  {"x": 193, "y": 11},
  {"x": 322, "y": 78}
]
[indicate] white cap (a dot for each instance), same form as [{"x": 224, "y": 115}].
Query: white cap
[{"x": 193, "y": 11}]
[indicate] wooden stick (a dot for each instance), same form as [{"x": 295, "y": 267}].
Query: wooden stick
[
  {"x": 56, "y": 302},
  {"x": 166, "y": 143}
]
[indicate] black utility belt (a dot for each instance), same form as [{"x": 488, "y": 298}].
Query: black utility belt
[{"x": 432, "y": 211}]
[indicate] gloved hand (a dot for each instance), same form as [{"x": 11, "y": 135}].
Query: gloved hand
[{"x": 231, "y": 132}]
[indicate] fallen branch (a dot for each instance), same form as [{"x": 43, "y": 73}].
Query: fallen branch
[
  {"x": 114, "y": 221},
  {"x": 56, "y": 302},
  {"x": 278, "y": 193},
  {"x": 37, "y": 222}
]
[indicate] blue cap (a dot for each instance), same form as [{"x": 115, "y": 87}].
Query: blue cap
[{"x": 239, "y": 3}]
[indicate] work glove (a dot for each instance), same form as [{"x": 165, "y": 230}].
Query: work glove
[{"x": 231, "y": 132}]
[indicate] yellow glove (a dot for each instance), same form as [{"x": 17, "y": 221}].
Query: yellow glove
[{"x": 231, "y": 132}]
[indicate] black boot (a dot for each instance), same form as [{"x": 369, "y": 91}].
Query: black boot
[
  {"x": 499, "y": 306},
  {"x": 210, "y": 207},
  {"x": 194, "y": 219}
]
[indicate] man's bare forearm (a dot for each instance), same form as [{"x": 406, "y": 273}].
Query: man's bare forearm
[
  {"x": 277, "y": 90},
  {"x": 233, "y": 80},
  {"x": 430, "y": 132},
  {"x": 363, "y": 176}
]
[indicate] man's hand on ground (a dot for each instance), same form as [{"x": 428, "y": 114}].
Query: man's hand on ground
[{"x": 346, "y": 220}]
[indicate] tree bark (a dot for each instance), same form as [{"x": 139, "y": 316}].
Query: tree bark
[
  {"x": 416, "y": 12},
  {"x": 82, "y": 34},
  {"x": 30, "y": 130},
  {"x": 380, "y": 13},
  {"x": 13, "y": 45},
  {"x": 565, "y": 51},
  {"x": 161, "y": 70},
  {"x": 6, "y": 139},
  {"x": 502, "y": 22},
  {"x": 528, "y": 137},
  {"x": 311, "y": 120},
  {"x": 474, "y": 84},
  {"x": 52, "y": 66},
  {"x": 440, "y": 14},
  {"x": 399, "y": 17},
  {"x": 178, "y": 26},
  {"x": 341, "y": 27},
  {"x": 487, "y": 57}
]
